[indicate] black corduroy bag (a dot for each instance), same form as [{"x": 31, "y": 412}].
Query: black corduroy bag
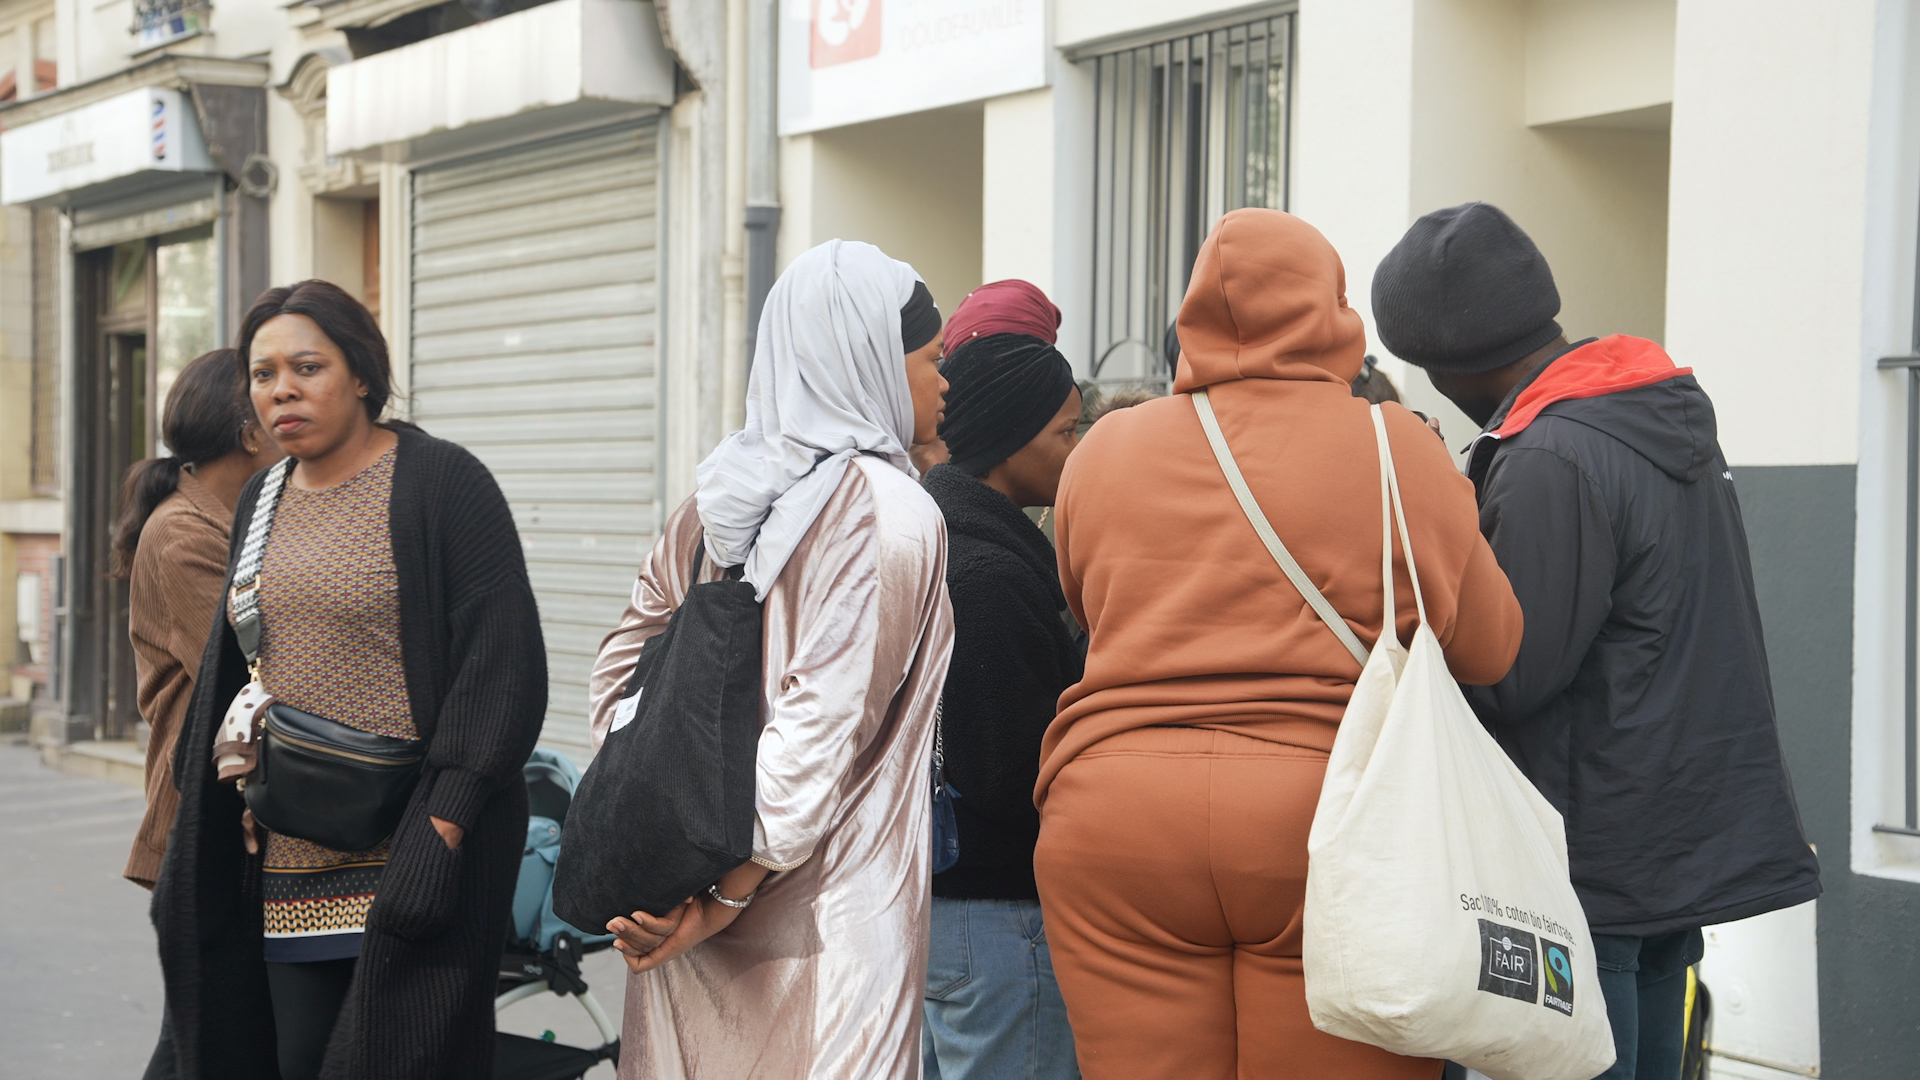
[{"x": 667, "y": 806}]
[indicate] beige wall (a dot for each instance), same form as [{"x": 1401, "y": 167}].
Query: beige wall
[
  {"x": 1589, "y": 58},
  {"x": 16, "y": 402},
  {"x": 1440, "y": 118},
  {"x": 909, "y": 185},
  {"x": 1016, "y": 208},
  {"x": 1594, "y": 199}
]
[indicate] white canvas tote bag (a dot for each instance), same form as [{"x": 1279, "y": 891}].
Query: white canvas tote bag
[{"x": 1440, "y": 921}]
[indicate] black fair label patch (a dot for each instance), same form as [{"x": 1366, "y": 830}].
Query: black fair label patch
[
  {"x": 1556, "y": 972},
  {"x": 1509, "y": 962}
]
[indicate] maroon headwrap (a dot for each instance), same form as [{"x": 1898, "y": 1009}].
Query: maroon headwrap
[{"x": 1003, "y": 307}]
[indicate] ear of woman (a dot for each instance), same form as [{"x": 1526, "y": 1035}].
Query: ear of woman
[{"x": 227, "y": 474}]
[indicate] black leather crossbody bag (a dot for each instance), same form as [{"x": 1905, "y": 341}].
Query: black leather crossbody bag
[{"x": 314, "y": 778}]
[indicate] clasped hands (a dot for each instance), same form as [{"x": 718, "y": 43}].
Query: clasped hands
[{"x": 647, "y": 941}]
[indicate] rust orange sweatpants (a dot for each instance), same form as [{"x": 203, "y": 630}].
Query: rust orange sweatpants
[{"x": 1172, "y": 866}]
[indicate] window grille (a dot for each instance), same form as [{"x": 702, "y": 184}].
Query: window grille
[{"x": 1184, "y": 131}]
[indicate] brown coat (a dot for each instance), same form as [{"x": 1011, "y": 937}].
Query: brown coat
[
  {"x": 1192, "y": 624},
  {"x": 174, "y": 596}
]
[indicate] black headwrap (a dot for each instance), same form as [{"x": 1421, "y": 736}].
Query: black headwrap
[
  {"x": 919, "y": 318},
  {"x": 1001, "y": 391}
]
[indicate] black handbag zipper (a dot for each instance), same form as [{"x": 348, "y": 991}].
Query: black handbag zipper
[{"x": 322, "y": 748}]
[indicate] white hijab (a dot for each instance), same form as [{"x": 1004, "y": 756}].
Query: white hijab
[{"x": 829, "y": 381}]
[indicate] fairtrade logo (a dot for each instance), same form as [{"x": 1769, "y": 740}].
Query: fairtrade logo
[
  {"x": 1509, "y": 963},
  {"x": 1558, "y": 975},
  {"x": 844, "y": 30}
]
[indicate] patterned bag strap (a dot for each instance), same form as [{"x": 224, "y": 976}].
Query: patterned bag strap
[{"x": 244, "y": 607}]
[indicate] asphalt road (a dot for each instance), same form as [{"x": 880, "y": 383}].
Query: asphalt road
[{"x": 80, "y": 993}]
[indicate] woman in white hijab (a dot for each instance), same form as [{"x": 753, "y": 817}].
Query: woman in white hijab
[{"x": 822, "y": 973}]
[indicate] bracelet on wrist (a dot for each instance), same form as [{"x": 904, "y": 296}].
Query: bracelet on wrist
[{"x": 713, "y": 890}]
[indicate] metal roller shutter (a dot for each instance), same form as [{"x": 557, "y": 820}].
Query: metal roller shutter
[{"x": 535, "y": 305}]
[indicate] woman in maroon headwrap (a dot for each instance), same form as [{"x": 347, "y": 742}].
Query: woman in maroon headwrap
[{"x": 998, "y": 307}]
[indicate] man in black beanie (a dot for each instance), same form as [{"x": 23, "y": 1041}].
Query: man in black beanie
[
  {"x": 1640, "y": 703},
  {"x": 993, "y": 1007}
]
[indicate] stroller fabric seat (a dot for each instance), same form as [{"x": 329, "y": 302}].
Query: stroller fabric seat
[{"x": 551, "y": 778}]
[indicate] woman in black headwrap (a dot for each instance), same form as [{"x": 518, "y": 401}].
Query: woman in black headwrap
[{"x": 1012, "y": 414}]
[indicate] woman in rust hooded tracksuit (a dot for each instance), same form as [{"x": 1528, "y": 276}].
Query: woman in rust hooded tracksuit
[{"x": 1180, "y": 778}]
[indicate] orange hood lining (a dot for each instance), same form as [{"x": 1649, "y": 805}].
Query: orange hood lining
[{"x": 1608, "y": 366}]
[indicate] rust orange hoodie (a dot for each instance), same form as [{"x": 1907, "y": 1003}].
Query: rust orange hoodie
[{"x": 1192, "y": 624}]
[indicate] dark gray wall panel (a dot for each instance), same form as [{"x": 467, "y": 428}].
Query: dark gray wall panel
[{"x": 1800, "y": 523}]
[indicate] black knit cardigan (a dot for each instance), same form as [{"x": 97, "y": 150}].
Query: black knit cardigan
[
  {"x": 421, "y": 1003},
  {"x": 1012, "y": 658}
]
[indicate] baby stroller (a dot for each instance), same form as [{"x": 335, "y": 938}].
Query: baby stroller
[{"x": 543, "y": 954}]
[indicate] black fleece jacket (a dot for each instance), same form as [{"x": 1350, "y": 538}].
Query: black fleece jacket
[
  {"x": 421, "y": 1002},
  {"x": 1012, "y": 658},
  {"x": 1640, "y": 703}
]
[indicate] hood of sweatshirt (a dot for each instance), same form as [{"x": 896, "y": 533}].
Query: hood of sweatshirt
[
  {"x": 1627, "y": 388},
  {"x": 1267, "y": 300}
]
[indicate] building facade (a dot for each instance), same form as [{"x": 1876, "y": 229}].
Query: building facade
[
  {"x": 1738, "y": 181},
  {"x": 565, "y": 213}
]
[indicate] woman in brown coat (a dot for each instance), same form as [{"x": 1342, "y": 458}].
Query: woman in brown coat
[
  {"x": 1179, "y": 780},
  {"x": 171, "y": 545}
]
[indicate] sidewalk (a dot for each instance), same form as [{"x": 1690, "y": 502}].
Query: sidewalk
[{"x": 81, "y": 997}]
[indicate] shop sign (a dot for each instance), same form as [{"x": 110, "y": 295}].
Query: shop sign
[
  {"x": 845, "y": 61},
  {"x": 143, "y": 131},
  {"x": 157, "y": 22}
]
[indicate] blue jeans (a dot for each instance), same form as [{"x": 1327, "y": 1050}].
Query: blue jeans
[
  {"x": 993, "y": 1008},
  {"x": 1644, "y": 981}
]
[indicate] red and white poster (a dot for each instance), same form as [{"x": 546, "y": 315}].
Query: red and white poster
[
  {"x": 847, "y": 61},
  {"x": 844, "y": 30}
]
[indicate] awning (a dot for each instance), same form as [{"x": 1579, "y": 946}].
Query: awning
[
  {"x": 111, "y": 147},
  {"x": 548, "y": 66}
]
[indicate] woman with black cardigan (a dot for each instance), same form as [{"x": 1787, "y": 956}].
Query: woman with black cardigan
[
  {"x": 993, "y": 1009},
  {"x": 394, "y": 599}
]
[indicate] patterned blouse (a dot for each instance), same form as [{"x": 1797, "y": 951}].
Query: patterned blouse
[{"x": 330, "y": 645}]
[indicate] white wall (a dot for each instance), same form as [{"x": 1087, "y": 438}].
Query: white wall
[
  {"x": 1408, "y": 106},
  {"x": 1077, "y": 22},
  {"x": 1588, "y": 58},
  {"x": 247, "y": 27},
  {"x": 1036, "y": 170},
  {"x": 1353, "y": 140},
  {"x": 1016, "y": 176},
  {"x": 909, "y": 185},
  {"x": 1766, "y": 242}
]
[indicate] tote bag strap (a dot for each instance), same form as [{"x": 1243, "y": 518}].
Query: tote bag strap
[
  {"x": 1390, "y": 486},
  {"x": 1278, "y": 550}
]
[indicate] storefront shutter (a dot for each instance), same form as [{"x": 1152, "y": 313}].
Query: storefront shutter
[{"x": 535, "y": 306}]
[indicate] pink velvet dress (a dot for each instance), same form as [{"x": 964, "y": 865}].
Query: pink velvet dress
[{"x": 824, "y": 975}]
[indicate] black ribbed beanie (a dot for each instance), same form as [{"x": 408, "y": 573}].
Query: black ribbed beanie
[
  {"x": 1002, "y": 390},
  {"x": 1465, "y": 291}
]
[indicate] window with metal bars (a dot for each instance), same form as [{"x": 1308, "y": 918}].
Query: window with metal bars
[{"x": 1184, "y": 131}]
